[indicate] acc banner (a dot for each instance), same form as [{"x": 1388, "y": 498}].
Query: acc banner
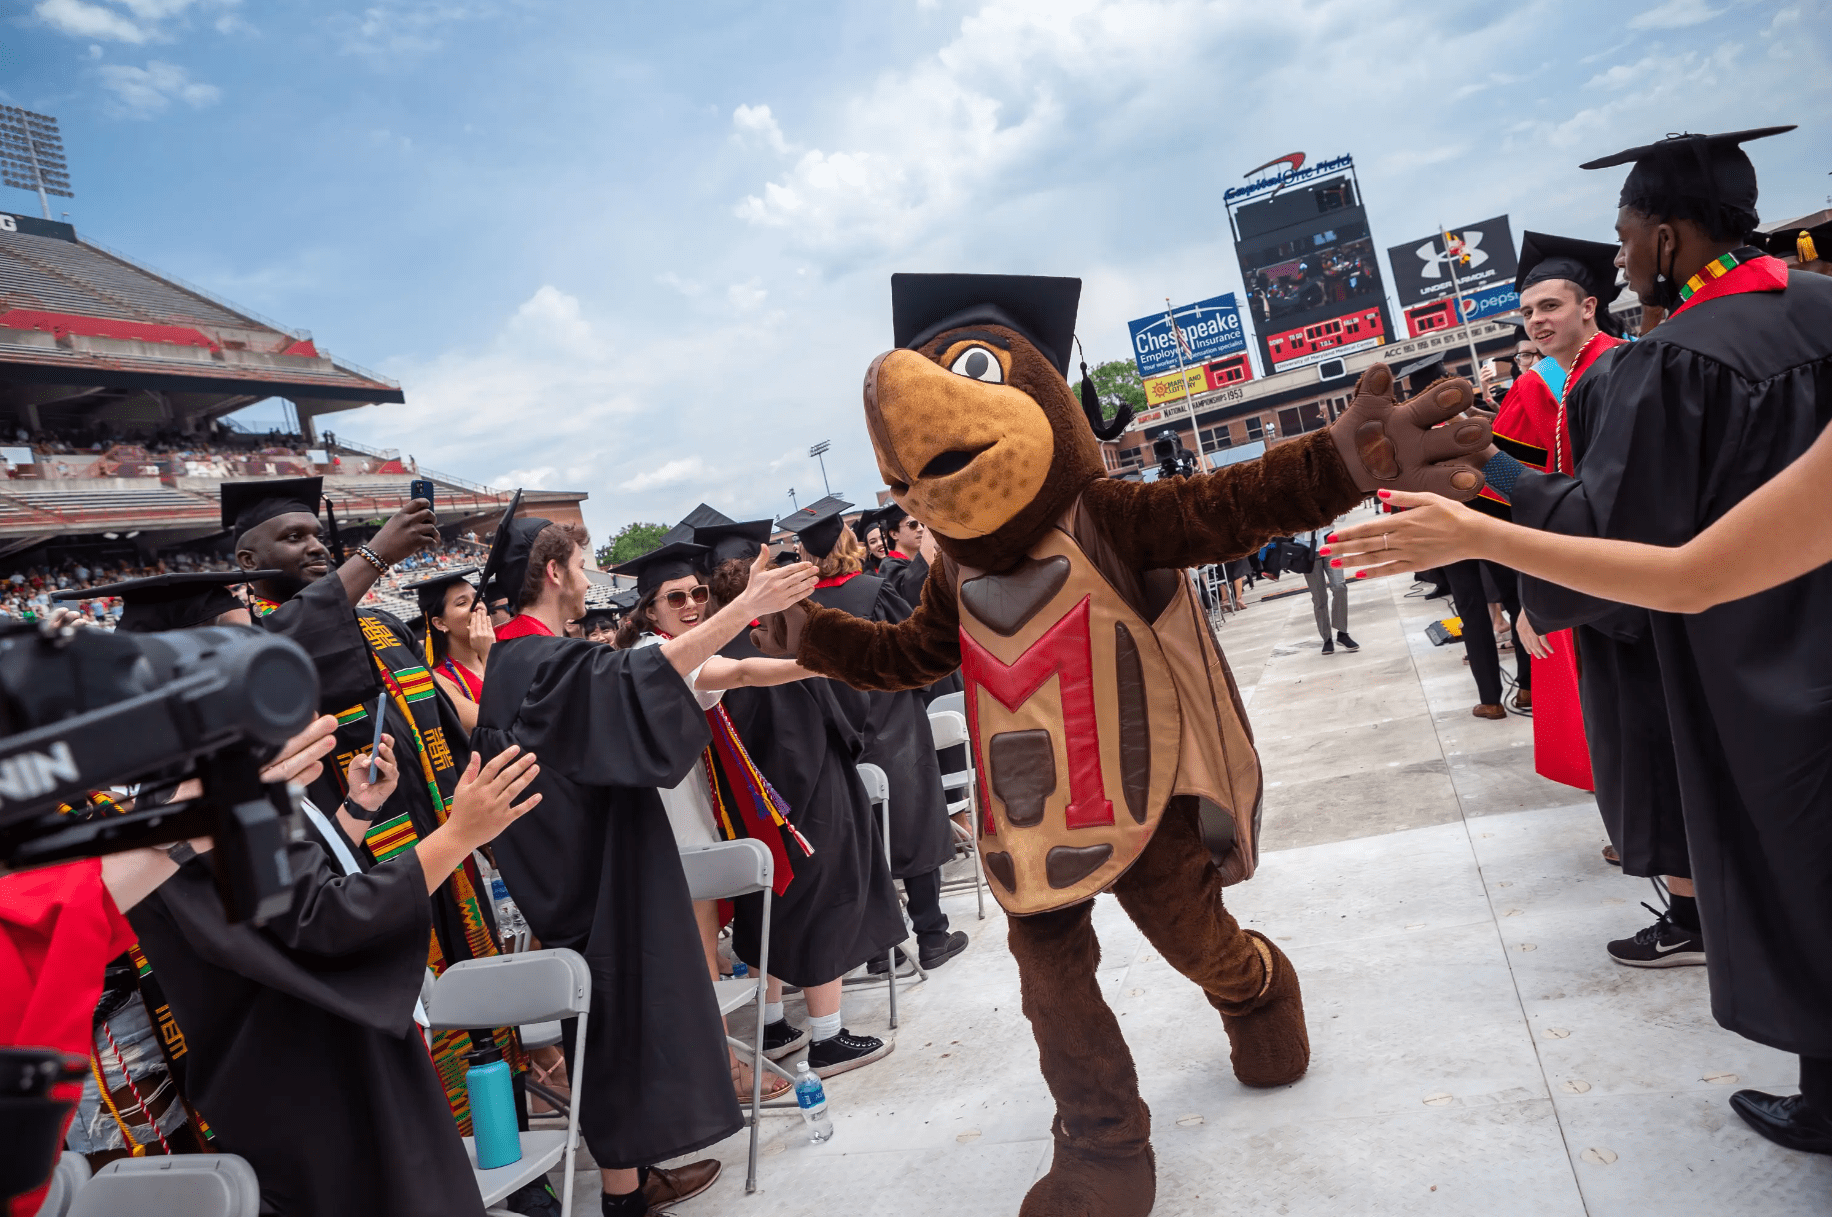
[
  {"x": 1211, "y": 328},
  {"x": 1482, "y": 255}
]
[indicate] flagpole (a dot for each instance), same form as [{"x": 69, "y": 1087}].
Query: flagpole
[
  {"x": 1456, "y": 287},
  {"x": 1189, "y": 402}
]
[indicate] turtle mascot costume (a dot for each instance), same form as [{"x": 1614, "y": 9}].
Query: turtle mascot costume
[{"x": 1112, "y": 748}]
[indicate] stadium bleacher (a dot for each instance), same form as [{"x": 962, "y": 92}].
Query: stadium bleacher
[{"x": 68, "y": 276}]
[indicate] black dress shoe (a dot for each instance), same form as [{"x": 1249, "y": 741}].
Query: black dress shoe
[
  {"x": 1785, "y": 1120},
  {"x": 879, "y": 965}
]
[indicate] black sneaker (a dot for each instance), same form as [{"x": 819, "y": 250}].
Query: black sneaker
[
  {"x": 782, "y": 1037},
  {"x": 1665, "y": 944},
  {"x": 942, "y": 949},
  {"x": 1348, "y": 644},
  {"x": 845, "y": 1051},
  {"x": 533, "y": 1200},
  {"x": 1329, "y": 647}
]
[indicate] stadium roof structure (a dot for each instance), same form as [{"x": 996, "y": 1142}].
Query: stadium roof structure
[{"x": 89, "y": 336}]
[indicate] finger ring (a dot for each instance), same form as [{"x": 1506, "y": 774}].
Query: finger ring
[{"x": 1386, "y": 540}]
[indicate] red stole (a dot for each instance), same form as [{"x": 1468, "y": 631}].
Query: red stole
[{"x": 521, "y": 627}]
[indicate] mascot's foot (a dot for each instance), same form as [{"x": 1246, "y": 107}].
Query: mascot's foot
[
  {"x": 1271, "y": 1045},
  {"x": 1088, "y": 1185}
]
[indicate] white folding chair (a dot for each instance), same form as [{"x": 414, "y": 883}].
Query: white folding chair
[
  {"x": 878, "y": 793},
  {"x": 197, "y": 1185},
  {"x": 949, "y": 728},
  {"x": 957, "y": 702},
  {"x": 506, "y": 991},
  {"x": 719, "y": 872},
  {"x": 71, "y": 1172}
]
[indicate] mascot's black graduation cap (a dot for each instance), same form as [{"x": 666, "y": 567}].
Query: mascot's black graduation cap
[
  {"x": 247, "y": 505},
  {"x": 171, "y": 602},
  {"x": 818, "y": 525},
  {"x": 1040, "y": 307}
]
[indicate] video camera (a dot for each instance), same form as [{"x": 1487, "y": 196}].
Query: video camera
[
  {"x": 1174, "y": 460},
  {"x": 83, "y": 710}
]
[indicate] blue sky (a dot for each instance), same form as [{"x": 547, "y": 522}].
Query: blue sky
[{"x": 644, "y": 250}]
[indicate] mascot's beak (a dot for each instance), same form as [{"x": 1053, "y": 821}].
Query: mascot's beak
[{"x": 961, "y": 455}]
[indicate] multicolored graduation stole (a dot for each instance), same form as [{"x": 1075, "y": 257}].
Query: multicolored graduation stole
[
  {"x": 410, "y": 688},
  {"x": 744, "y": 804}
]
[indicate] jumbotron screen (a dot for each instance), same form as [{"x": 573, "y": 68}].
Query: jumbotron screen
[{"x": 1311, "y": 271}]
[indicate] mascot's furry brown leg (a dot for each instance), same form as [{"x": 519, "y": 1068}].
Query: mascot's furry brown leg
[{"x": 1112, "y": 747}]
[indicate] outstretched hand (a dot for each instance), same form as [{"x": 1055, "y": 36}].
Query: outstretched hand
[
  {"x": 1404, "y": 446},
  {"x": 1436, "y": 531},
  {"x": 774, "y": 588}
]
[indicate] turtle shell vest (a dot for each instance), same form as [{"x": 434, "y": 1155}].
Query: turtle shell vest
[{"x": 1096, "y": 694}]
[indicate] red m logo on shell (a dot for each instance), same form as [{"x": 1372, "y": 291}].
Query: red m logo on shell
[{"x": 1067, "y": 652}]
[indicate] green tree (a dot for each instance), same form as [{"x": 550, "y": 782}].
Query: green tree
[
  {"x": 632, "y": 541},
  {"x": 1117, "y": 381}
]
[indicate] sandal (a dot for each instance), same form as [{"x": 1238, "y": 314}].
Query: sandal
[
  {"x": 1610, "y": 856},
  {"x": 774, "y": 1084}
]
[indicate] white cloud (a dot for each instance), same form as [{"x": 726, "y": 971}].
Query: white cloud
[
  {"x": 757, "y": 122},
  {"x": 1675, "y": 14},
  {"x": 746, "y": 296},
  {"x": 145, "y": 92},
  {"x": 132, "y": 21},
  {"x": 526, "y": 479},
  {"x": 399, "y": 29},
  {"x": 672, "y": 473}
]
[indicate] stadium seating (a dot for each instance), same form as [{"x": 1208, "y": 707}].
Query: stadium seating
[{"x": 65, "y": 276}]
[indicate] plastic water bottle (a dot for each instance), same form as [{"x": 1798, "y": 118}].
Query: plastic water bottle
[
  {"x": 492, "y": 1106},
  {"x": 740, "y": 969},
  {"x": 812, "y": 1098}
]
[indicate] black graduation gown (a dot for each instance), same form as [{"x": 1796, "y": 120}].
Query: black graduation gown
[
  {"x": 595, "y": 868},
  {"x": 321, "y": 620},
  {"x": 906, "y": 577},
  {"x": 1620, "y": 692},
  {"x": 303, "y": 1054},
  {"x": 1702, "y": 411},
  {"x": 897, "y": 738},
  {"x": 841, "y": 908}
]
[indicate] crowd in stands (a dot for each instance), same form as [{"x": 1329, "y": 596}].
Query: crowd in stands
[{"x": 25, "y": 591}]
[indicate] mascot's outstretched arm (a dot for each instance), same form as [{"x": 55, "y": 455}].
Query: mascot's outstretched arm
[
  {"x": 1295, "y": 487},
  {"x": 909, "y": 654}
]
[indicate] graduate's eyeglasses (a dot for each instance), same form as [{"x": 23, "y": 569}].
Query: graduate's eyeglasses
[{"x": 676, "y": 599}]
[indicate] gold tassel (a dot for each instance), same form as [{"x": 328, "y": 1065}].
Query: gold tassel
[{"x": 1803, "y": 245}]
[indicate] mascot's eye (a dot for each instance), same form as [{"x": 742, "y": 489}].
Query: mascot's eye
[{"x": 978, "y": 363}]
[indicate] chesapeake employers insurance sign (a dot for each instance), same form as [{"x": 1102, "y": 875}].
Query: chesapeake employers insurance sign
[{"x": 1211, "y": 328}]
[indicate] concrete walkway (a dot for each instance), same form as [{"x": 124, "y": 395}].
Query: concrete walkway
[{"x": 1474, "y": 1051}]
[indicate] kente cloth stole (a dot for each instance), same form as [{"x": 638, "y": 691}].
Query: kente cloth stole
[
  {"x": 744, "y": 804},
  {"x": 410, "y": 687}
]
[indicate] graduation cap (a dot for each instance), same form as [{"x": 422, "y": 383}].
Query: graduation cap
[
  {"x": 172, "y": 602},
  {"x": 1708, "y": 178},
  {"x": 1419, "y": 375},
  {"x": 703, "y": 516},
  {"x": 625, "y": 600},
  {"x": 1805, "y": 245},
  {"x": 786, "y": 557},
  {"x": 728, "y": 540},
  {"x": 675, "y": 560},
  {"x": 819, "y": 524},
  {"x": 248, "y": 505},
  {"x": 498, "y": 582},
  {"x": 596, "y": 618}
]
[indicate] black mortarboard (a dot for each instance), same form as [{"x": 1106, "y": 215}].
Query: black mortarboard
[
  {"x": 1696, "y": 177},
  {"x": 499, "y": 553},
  {"x": 1589, "y": 264},
  {"x": 1812, "y": 243},
  {"x": 626, "y": 600},
  {"x": 703, "y": 516},
  {"x": 1419, "y": 375},
  {"x": 819, "y": 524},
  {"x": 248, "y": 505},
  {"x": 675, "y": 560},
  {"x": 595, "y": 617},
  {"x": 728, "y": 540},
  {"x": 430, "y": 593},
  {"x": 172, "y": 602},
  {"x": 1040, "y": 307},
  {"x": 518, "y": 548},
  {"x": 786, "y": 557}
]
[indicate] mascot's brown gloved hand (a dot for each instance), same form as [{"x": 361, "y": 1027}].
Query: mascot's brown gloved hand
[
  {"x": 778, "y": 635},
  {"x": 1402, "y": 447}
]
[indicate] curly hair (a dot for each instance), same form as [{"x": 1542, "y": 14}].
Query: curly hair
[
  {"x": 846, "y": 556},
  {"x": 553, "y": 543},
  {"x": 637, "y": 622}
]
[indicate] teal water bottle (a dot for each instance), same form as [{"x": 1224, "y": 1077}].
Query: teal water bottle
[{"x": 499, "y": 1142}]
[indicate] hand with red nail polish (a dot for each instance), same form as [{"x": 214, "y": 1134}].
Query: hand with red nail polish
[{"x": 1335, "y": 561}]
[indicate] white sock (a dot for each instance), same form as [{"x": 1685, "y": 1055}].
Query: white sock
[
  {"x": 824, "y": 1027},
  {"x": 772, "y": 1012}
]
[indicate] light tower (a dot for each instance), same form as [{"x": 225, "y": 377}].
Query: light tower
[
  {"x": 32, "y": 155},
  {"x": 819, "y": 453}
]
